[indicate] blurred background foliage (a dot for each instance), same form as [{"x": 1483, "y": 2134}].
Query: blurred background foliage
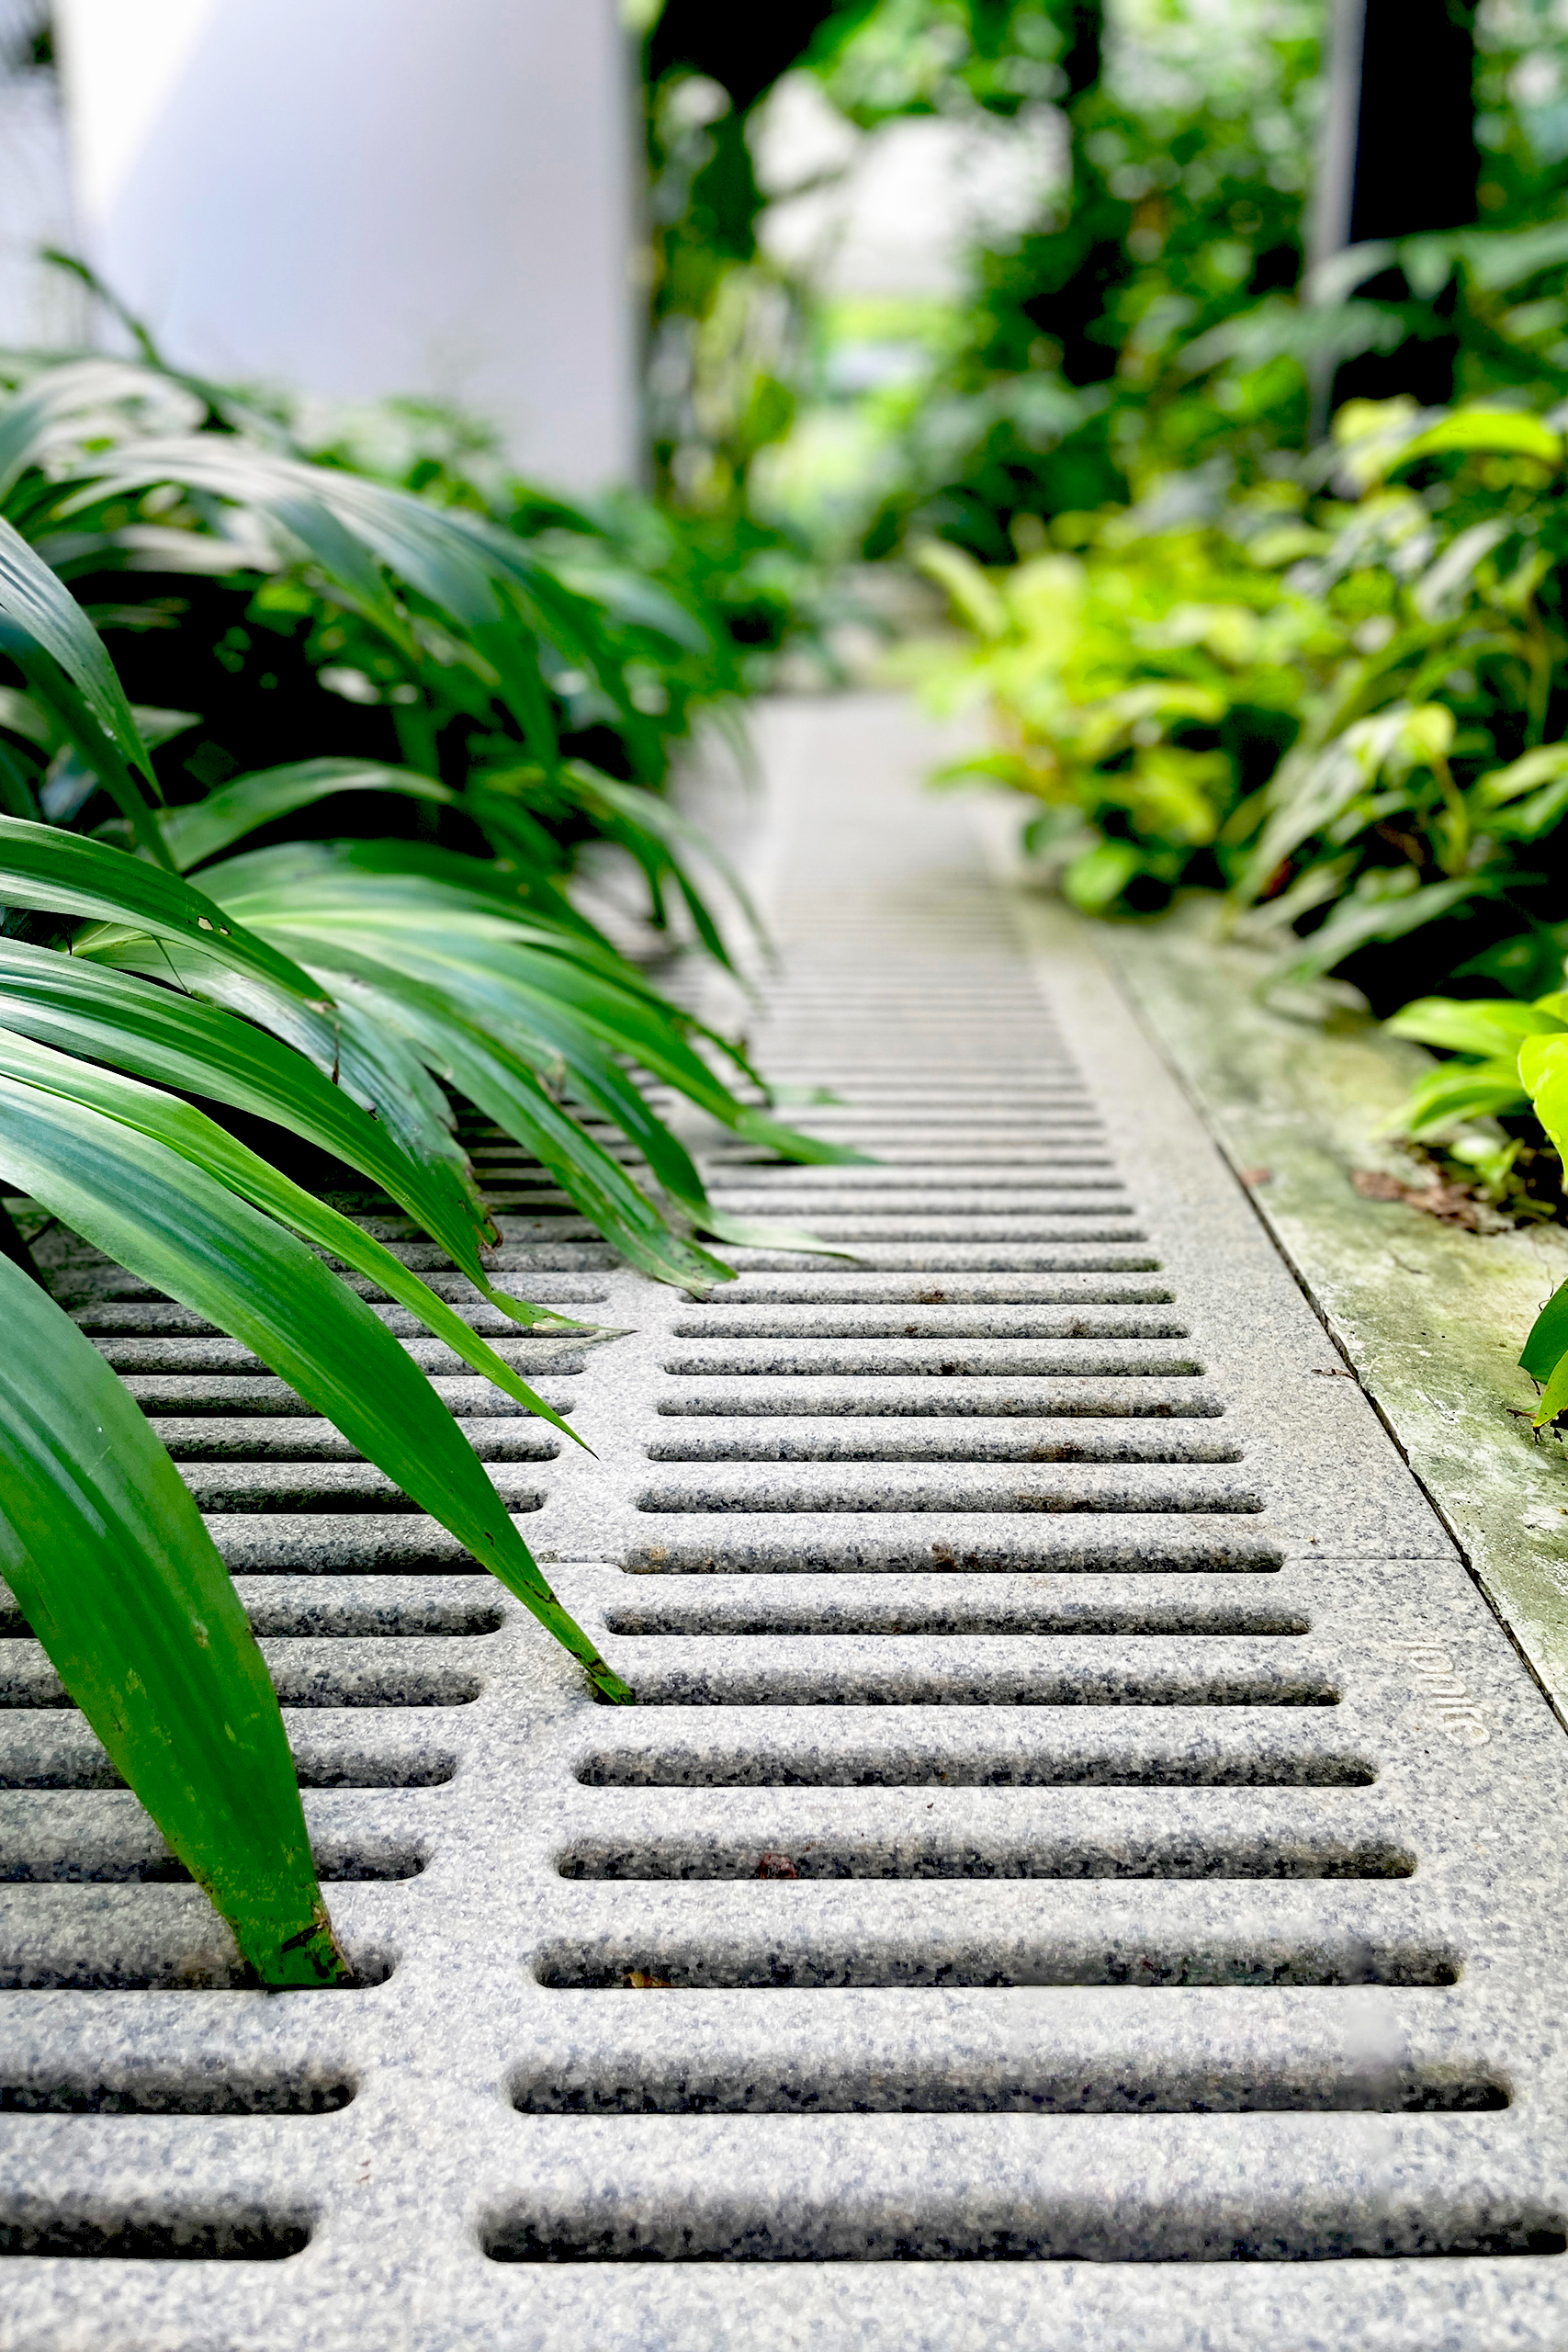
[{"x": 1215, "y": 643}]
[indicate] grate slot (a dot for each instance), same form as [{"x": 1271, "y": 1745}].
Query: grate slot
[
  {"x": 741, "y": 1322},
  {"x": 1003, "y": 1611},
  {"x": 1154, "y": 1398},
  {"x": 935, "y": 1360},
  {"x": 999, "y": 2073},
  {"x": 318, "y": 1679},
  {"x": 957, "y": 1290},
  {"x": 159, "y": 2236},
  {"x": 890, "y": 1440},
  {"x": 915, "y": 1677},
  {"x": 1148, "y": 1961},
  {"x": 162, "y": 2090},
  {"x": 983, "y": 1759},
  {"x": 1062, "y": 1545},
  {"x": 933, "y": 1857},
  {"x": 967, "y": 1487},
  {"x": 1253, "y": 2231}
]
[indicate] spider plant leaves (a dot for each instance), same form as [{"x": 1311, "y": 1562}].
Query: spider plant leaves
[
  {"x": 210, "y": 1147},
  {"x": 504, "y": 1086},
  {"x": 81, "y": 1007},
  {"x": 86, "y": 749},
  {"x": 66, "y": 873},
  {"x": 109, "y": 1559},
  {"x": 79, "y": 392},
  {"x": 208, "y": 827},
  {"x": 40, "y": 605},
  {"x": 179, "y": 1228}
]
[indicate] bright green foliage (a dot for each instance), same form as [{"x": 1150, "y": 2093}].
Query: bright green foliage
[
  {"x": 1509, "y": 1059},
  {"x": 1351, "y": 709},
  {"x": 1140, "y": 685},
  {"x": 107, "y": 1556},
  {"x": 1489, "y": 1039},
  {"x": 1543, "y": 1069}
]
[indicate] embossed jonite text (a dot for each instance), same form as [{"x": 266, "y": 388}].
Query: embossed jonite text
[{"x": 1446, "y": 1694}]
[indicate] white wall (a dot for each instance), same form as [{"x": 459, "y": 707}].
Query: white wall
[{"x": 360, "y": 198}]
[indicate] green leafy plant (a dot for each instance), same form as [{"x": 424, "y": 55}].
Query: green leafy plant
[
  {"x": 1141, "y": 681},
  {"x": 1346, "y": 707},
  {"x": 337, "y": 989},
  {"x": 1509, "y": 1061},
  {"x": 108, "y": 1556}
]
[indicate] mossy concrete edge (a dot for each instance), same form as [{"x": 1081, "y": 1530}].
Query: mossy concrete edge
[
  {"x": 1431, "y": 1318},
  {"x": 1298, "y": 1094}
]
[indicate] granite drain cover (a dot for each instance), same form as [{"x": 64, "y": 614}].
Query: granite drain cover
[{"x": 1085, "y": 1869}]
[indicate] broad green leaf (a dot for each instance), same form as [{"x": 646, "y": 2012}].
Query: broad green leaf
[
  {"x": 209, "y": 826},
  {"x": 1482, "y": 1025},
  {"x": 116, "y": 1574},
  {"x": 1547, "y": 1346},
  {"x": 1543, "y": 1072},
  {"x": 168, "y": 1221},
  {"x": 1508, "y": 432},
  {"x": 1488, "y": 1090}
]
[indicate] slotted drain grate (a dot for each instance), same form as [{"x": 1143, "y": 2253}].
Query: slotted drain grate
[{"x": 1083, "y": 1869}]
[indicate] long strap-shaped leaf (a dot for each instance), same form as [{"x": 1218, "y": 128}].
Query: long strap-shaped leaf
[
  {"x": 208, "y": 1145},
  {"x": 181, "y": 1230},
  {"x": 106, "y": 1553},
  {"x": 68, "y": 875},
  {"x": 372, "y": 1064},
  {"x": 83, "y": 1007},
  {"x": 36, "y": 602},
  {"x": 486, "y": 1070},
  {"x": 209, "y": 826}
]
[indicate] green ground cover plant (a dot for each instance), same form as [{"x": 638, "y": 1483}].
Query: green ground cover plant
[{"x": 1343, "y": 703}]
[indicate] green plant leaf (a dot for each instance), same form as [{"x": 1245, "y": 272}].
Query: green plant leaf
[
  {"x": 83, "y": 1007},
  {"x": 65, "y": 874},
  {"x": 167, "y": 1220},
  {"x": 506, "y": 1090},
  {"x": 36, "y": 602},
  {"x": 207, "y": 826},
  {"x": 111, "y": 1563},
  {"x": 1543, "y": 1072},
  {"x": 1547, "y": 1345},
  {"x": 1508, "y": 432},
  {"x": 1476, "y": 1025},
  {"x": 1488, "y": 1090}
]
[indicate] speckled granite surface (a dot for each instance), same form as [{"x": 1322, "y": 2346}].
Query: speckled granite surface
[
  {"x": 1431, "y": 1317},
  {"x": 1087, "y": 1868}
]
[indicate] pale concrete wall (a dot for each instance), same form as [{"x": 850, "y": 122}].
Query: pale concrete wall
[{"x": 369, "y": 197}]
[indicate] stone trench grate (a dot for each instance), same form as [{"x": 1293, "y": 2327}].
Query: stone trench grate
[{"x": 1086, "y": 1856}]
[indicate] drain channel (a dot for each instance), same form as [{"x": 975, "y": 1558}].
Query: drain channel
[{"x": 1034, "y": 1846}]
